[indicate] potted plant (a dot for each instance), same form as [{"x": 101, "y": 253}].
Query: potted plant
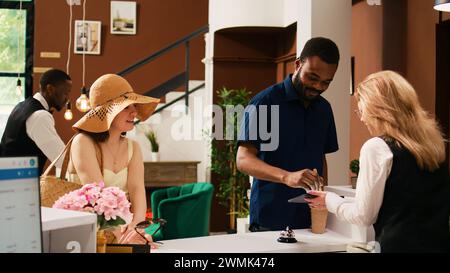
[
  {"x": 151, "y": 136},
  {"x": 354, "y": 168},
  {"x": 233, "y": 185}
]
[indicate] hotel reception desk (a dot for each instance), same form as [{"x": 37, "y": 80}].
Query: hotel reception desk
[
  {"x": 71, "y": 231},
  {"x": 258, "y": 242},
  {"x": 336, "y": 238}
]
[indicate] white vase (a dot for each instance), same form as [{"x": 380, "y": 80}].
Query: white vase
[
  {"x": 155, "y": 156},
  {"x": 242, "y": 225}
]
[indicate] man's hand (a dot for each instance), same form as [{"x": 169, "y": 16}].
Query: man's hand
[
  {"x": 319, "y": 182},
  {"x": 300, "y": 179}
]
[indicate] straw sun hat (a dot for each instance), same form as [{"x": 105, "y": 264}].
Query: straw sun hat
[{"x": 108, "y": 96}]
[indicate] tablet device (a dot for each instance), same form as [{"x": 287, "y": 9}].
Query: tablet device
[{"x": 301, "y": 198}]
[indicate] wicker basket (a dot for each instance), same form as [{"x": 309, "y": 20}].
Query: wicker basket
[{"x": 52, "y": 187}]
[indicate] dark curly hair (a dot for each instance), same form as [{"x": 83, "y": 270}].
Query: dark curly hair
[
  {"x": 323, "y": 48},
  {"x": 53, "y": 77}
]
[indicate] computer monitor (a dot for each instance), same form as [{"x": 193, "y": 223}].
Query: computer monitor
[{"x": 20, "y": 210}]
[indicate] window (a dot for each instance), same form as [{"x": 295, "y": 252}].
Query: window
[{"x": 16, "y": 55}]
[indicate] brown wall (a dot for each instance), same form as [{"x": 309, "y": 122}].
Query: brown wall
[
  {"x": 369, "y": 50},
  {"x": 442, "y": 106},
  {"x": 367, "y": 39},
  {"x": 394, "y": 35},
  {"x": 247, "y": 50},
  {"x": 286, "y": 52},
  {"x": 421, "y": 50},
  {"x": 159, "y": 23},
  {"x": 254, "y": 58}
]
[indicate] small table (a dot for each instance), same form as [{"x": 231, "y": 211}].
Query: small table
[{"x": 169, "y": 173}]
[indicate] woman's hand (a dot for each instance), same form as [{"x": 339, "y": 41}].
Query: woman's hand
[
  {"x": 319, "y": 201},
  {"x": 130, "y": 235}
]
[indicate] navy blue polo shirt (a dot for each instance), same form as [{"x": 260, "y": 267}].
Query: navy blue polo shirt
[{"x": 291, "y": 137}]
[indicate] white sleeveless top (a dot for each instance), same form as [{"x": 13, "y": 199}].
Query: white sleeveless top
[{"x": 111, "y": 178}]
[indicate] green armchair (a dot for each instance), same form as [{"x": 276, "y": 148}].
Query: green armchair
[{"x": 186, "y": 209}]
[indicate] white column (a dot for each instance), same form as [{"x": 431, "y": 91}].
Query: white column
[
  {"x": 241, "y": 13},
  {"x": 332, "y": 19},
  {"x": 207, "y": 125}
]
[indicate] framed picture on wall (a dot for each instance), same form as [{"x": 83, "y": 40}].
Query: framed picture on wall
[
  {"x": 87, "y": 37},
  {"x": 123, "y": 17}
]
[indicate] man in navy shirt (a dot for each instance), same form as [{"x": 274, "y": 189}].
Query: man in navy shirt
[{"x": 302, "y": 131}]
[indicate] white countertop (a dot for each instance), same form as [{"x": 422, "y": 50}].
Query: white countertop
[
  {"x": 57, "y": 218},
  {"x": 257, "y": 242}
]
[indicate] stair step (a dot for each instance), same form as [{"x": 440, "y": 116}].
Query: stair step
[{"x": 173, "y": 95}]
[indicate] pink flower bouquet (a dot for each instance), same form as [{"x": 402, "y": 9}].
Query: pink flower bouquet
[{"x": 109, "y": 203}]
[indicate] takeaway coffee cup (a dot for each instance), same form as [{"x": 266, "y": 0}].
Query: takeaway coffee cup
[{"x": 318, "y": 220}]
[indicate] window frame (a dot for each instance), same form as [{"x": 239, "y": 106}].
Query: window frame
[{"x": 29, "y": 42}]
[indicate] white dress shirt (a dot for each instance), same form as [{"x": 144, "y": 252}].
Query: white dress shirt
[
  {"x": 375, "y": 163},
  {"x": 41, "y": 129}
]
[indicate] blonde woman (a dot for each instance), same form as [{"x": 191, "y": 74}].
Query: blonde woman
[
  {"x": 100, "y": 152},
  {"x": 403, "y": 188}
]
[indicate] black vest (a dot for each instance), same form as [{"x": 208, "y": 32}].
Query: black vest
[
  {"x": 15, "y": 140},
  {"x": 414, "y": 216}
]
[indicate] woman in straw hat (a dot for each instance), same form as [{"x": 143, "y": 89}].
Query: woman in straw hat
[
  {"x": 403, "y": 187},
  {"x": 101, "y": 139}
]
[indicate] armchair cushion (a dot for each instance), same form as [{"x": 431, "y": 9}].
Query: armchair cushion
[{"x": 186, "y": 208}]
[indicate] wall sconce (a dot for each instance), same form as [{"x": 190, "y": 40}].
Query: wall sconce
[
  {"x": 19, "y": 88},
  {"x": 442, "y": 5},
  {"x": 19, "y": 82},
  {"x": 82, "y": 103},
  {"x": 68, "y": 115}
]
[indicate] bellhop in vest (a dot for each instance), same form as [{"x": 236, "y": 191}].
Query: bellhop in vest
[
  {"x": 15, "y": 140},
  {"x": 30, "y": 129}
]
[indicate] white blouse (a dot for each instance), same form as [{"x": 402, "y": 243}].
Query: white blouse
[{"x": 375, "y": 163}]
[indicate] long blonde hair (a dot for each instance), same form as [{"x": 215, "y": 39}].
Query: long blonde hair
[{"x": 390, "y": 107}]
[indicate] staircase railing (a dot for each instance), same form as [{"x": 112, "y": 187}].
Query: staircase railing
[
  {"x": 177, "y": 80},
  {"x": 180, "y": 98}
]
